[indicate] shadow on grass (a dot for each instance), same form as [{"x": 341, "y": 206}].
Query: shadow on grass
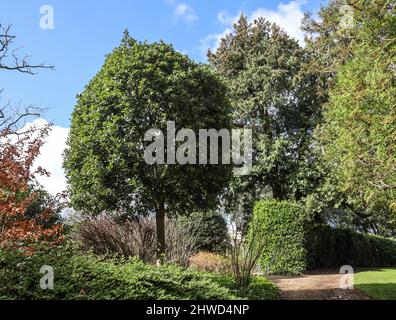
[
  {"x": 324, "y": 294},
  {"x": 379, "y": 283},
  {"x": 380, "y": 291}
]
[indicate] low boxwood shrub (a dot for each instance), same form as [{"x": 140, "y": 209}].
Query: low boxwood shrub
[{"x": 295, "y": 244}]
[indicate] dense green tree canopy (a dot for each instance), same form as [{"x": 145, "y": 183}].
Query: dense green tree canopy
[
  {"x": 358, "y": 135},
  {"x": 271, "y": 95},
  {"x": 141, "y": 87},
  {"x": 328, "y": 43}
]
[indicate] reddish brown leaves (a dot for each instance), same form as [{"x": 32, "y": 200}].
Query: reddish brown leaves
[{"x": 17, "y": 154}]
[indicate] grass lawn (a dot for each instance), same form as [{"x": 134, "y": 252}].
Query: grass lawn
[{"x": 379, "y": 283}]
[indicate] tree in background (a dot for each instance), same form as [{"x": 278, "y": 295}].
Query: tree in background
[
  {"x": 211, "y": 231},
  {"x": 42, "y": 201},
  {"x": 328, "y": 43},
  {"x": 359, "y": 130},
  {"x": 272, "y": 95},
  {"x": 140, "y": 87}
]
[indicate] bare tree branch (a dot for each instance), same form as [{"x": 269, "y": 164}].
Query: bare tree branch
[
  {"x": 12, "y": 120},
  {"x": 9, "y": 59}
]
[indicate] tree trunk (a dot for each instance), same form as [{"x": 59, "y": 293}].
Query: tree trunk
[
  {"x": 160, "y": 223},
  {"x": 277, "y": 192},
  {"x": 298, "y": 195}
]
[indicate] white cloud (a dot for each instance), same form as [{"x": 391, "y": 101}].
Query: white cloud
[
  {"x": 212, "y": 41},
  {"x": 226, "y": 19},
  {"x": 288, "y": 16},
  {"x": 50, "y": 157},
  {"x": 185, "y": 13}
]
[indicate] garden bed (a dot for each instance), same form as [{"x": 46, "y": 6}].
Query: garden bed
[{"x": 85, "y": 277}]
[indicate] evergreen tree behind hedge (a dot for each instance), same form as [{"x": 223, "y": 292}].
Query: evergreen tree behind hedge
[{"x": 272, "y": 94}]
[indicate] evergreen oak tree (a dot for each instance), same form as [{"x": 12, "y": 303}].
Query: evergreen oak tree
[{"x": 141, "y": 87}]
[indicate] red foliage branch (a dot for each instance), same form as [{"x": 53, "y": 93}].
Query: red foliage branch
[{"x": 17, "y": 154}]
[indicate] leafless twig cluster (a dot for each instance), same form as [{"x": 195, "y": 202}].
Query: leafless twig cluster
[
  {"x": 13, "y": 119},
  {"x": 245, "y": 251},
  {"x": 9, "y": 59},
  {"x": 137, "y": 237}
]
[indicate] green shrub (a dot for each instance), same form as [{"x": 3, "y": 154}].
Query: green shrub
[
  {"x": 332, "y": 248},
  {"x": 295, "y": 244},
  {"x": 86, "y": 276},
  {"x": 259, "y": 288},
  {"x": 211, "y": 231},
  {"x": 283, "y": 226}
]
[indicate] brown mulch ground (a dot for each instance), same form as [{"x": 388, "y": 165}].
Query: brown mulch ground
[{"x": 316, "y": 285}]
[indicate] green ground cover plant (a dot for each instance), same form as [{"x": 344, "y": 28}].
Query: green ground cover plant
[{"x": 86, "y": 277}]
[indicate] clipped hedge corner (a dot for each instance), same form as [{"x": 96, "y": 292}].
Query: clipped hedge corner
[
  {"x": 283, "y": 226},
  {"x": 295, "y": 244}
]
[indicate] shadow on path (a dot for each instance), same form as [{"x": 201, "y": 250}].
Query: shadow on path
[{"x": 316, "y": 285}]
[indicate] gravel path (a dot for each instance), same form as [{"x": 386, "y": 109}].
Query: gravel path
[{"x": 316, "y": 285}]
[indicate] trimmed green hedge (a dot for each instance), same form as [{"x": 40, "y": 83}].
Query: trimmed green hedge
[
  {"x": 295, "y": 244},
  {"x": 332, "y": 248},
  {"x": 282, "y": 224},
  {"x": 89, "y": 277}
]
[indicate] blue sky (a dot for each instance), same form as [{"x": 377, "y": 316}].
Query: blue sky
[{"x": 85, "y": 31}]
